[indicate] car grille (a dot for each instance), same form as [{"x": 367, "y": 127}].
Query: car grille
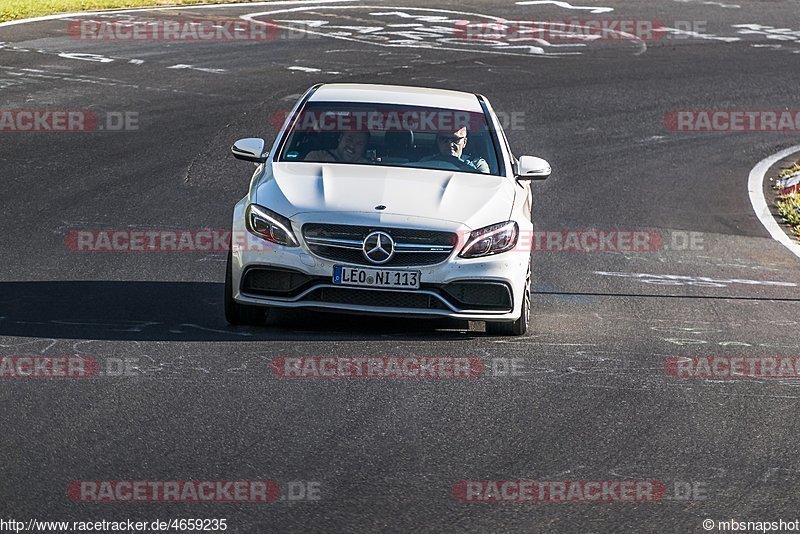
[
  {"x": 342, "y": 243},
  {"x": 271, "y": 281},
  {"x": 384, "y": 299},
  {"x": 479, "y": 295}
]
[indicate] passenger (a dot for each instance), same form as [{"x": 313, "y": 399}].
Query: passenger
[{"x": 351, "y": 149}]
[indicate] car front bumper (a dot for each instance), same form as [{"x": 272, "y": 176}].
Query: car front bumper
[{"x": 458, "y": 288}]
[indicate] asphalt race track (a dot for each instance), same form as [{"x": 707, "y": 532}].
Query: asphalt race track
[{"x": 182, "y": 396}]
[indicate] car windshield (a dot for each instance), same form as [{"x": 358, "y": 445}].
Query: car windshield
[{"x": 392, "y": 135}]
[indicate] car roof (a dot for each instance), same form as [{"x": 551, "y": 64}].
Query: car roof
[{"x": 397, "y": 94}]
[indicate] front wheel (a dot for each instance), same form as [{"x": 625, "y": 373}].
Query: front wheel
[
  {"x": 520, "y": 326},
  {"x": 235, "y": 313}
]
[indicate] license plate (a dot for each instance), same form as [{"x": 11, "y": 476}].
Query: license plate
[{"x": 356, "y": 276}]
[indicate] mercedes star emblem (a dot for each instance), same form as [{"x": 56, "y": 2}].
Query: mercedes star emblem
[{"x": 378, "y": 247}]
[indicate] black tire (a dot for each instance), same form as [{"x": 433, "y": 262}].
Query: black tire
[
  {"x": 240, "y": 314},
  {"x": 520, "y": 326}
]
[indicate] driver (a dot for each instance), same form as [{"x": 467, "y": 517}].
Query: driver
[
  {"x": 351, "y": 149},
  {"x": 451, "y": 149}
]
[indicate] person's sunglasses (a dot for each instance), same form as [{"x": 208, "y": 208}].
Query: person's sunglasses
[{"x": 450, "y": 138}]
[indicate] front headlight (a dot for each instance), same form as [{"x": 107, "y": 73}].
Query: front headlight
[
  {"x": 490, "y": 240},
  {"x": 268, "y": 225}
]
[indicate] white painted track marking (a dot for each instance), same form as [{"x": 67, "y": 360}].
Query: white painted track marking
[
  {"x": 566, "y": 5},
  {"x": 254, "y": 18}
]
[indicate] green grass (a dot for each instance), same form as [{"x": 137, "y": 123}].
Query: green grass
[
  {"x": 790, "y": 171},
  {"x": 22, "y": 9},
  {"x": 789, "y": 205}
]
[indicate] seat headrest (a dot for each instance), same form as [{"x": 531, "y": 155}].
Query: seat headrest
[{"x": 399, "y": 138}]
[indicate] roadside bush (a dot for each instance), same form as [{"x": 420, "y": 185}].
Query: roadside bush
[{"x": 789, "y": 210}]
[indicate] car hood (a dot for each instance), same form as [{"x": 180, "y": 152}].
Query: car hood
[{"x": 472, "y": 200}]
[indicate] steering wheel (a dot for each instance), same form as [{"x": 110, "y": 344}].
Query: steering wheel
[{"x": 451, "y": 163}]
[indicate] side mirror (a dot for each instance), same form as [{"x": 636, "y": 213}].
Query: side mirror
[
  {"x": 249, "y": 149},
  {"x": 532, "y": 168}
]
